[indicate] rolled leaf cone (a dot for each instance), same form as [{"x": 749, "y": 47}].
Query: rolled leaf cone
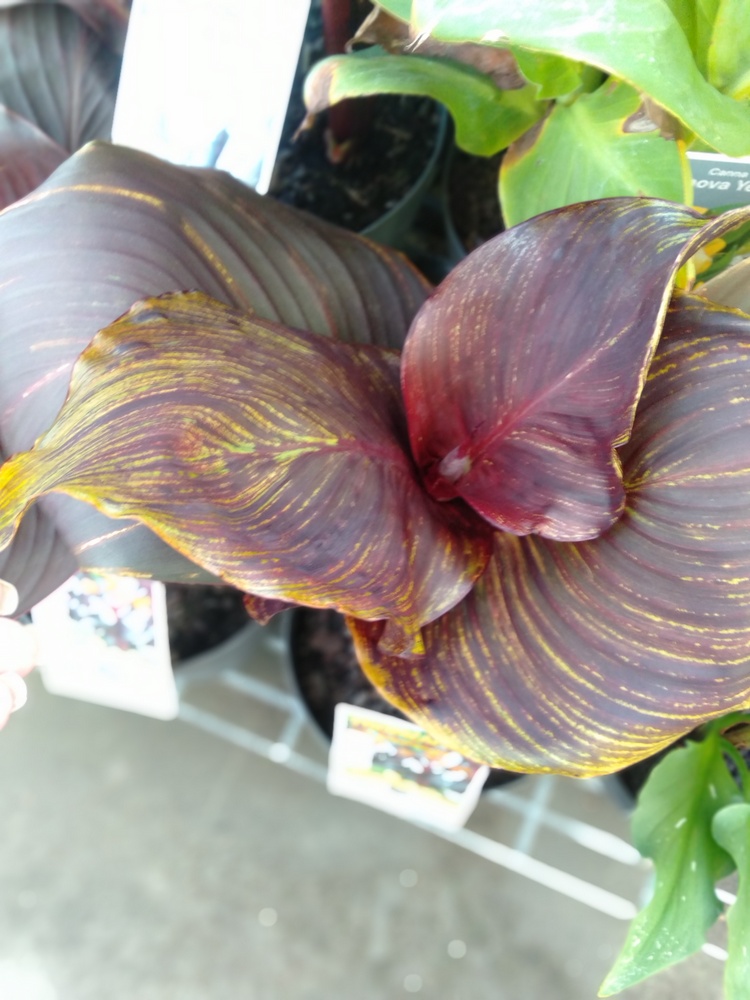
[
  {"x": 582, "y": 658},
  {"x": 113, "y": 225},
  {"x": 522, "y": 372},
  {"x": 278, "y": 460}
]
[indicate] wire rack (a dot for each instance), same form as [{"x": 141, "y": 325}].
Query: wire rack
[{"x": 254, "y": 666}]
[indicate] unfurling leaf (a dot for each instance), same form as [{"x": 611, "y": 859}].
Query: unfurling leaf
[
  {"x": 522, "y": 371},
  {"x": 672, "y": 825},
  {"x": 731, "y": 829},
  {"x": 584, "y": 658},
  {"x": 276, "y": 459}
]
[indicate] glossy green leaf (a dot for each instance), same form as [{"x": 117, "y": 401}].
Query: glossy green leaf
[
  {"x": 696, "y": 18},
  {"x": 487, "y": 119},
  {"x": 584, "y": 658},
  {"x": 522, "y": 371},
  {"x": 638, "y": 41},
  {"x": 599, "y": 146},
  {"x": 113, "y": 225},
  {"x": 672, "y": 825},
  {"x": 731, "y": 830},
  {"x": 399, "y": 8},
  {"x": 553, "y": 75},
  {"x": 276, "y": 459},
  {"x": 729, "y": 50}
]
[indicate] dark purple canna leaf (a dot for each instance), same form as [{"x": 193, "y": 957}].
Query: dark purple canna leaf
[
  {"x": 57, "y": 91},
  {"x": 277, "y": 460},
  {"x": 113, "y": 225},
  {"x": 56, "y": 73},
  {"x": 522, "y": 372},
  {"x": 28, "y": 157},
  {"x": 38, "y": 561},
  {"x": 108, "y": 18},
  {"x": 583, "y": 658}
]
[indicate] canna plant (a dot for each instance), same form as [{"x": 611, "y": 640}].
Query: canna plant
[
  {"x": 526, "y": 488},
  {"x": 590, "y": 100},
  {"x": 534, "y": 515}
]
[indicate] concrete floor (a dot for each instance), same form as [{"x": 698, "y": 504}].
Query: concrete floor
[{"x": 144, "y": 860}]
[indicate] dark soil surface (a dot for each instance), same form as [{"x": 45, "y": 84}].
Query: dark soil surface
[
  {"x": 394, "y": 140},
  {"x": 377, "y": 172},
  {"x": 473, "y": 201},
  {"x": 200, "y": 617},
  {"x": 327, "y": 673}
]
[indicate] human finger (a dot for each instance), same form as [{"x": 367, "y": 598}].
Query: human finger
[
  {"x": 18, "y": 647},
  {"x": 8, "y": 598}
]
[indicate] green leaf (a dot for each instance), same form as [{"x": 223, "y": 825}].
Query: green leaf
[
  {"x": 528, "y": 439},
  {"x": 582, "y": 658},
  {"x": 595, "y": 147},
  {"x": 672, "y": 825},
  {"x": 276, "y": 459},
  {"x": 638, "y": 41},
  {"x": 731, "y": 830},
  {"x": 487, "y": 119},
  {"x": 399, "y": 8},
  {"x": 729, "y": 51},
  {"x": 553, "y": 76},
  {"x": 696, "y": 18}
]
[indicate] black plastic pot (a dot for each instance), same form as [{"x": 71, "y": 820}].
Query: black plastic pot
[
  {"x": 202, "y": 618},
  {"x": 470, "y": 201},
  {"x": 324, "y": 670}
]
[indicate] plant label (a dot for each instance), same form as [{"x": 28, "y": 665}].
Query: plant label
[
  {"x": 720, "y": 181},
  {"x": 103, "y": 638},
  {"x": 395, "y": 766},
  {"x": 208, "y": 84}
]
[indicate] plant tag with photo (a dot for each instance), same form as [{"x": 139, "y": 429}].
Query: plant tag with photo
[
  {"x": 720, "y": 181},
  {"x": 208, "y": 84},
  {"x": 103, "y": 638},
  {"x": 395, "y": 766}
]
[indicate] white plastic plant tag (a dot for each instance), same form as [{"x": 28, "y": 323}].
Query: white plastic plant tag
[
  {"x": 103, "y": 638},
  {"x": 720, "y": 181},
  {"x": 395, "y": 766},
  {"x": 206, "y": 83}
]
